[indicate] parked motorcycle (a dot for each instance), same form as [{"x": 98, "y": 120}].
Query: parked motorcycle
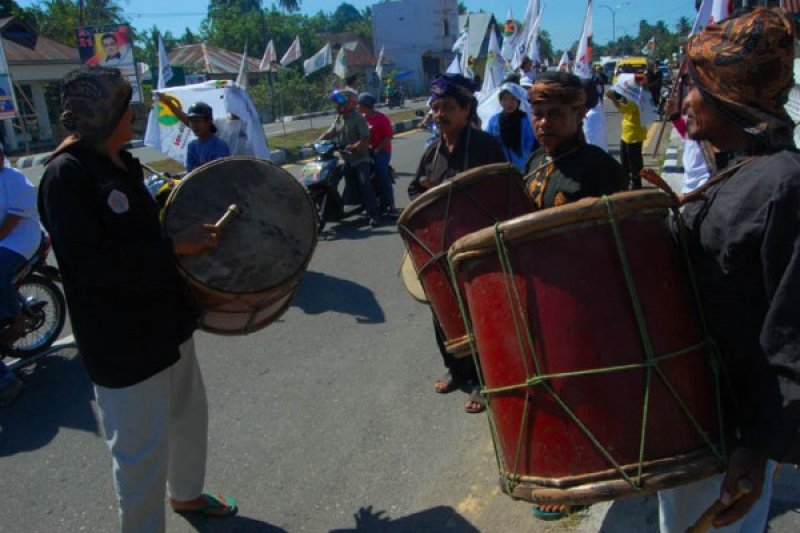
[
  {"x": 43, "y": 306},
  {"x": 322, "y": 178}
]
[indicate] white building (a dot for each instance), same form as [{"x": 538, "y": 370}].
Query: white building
[{"x": 417, "y": 36}]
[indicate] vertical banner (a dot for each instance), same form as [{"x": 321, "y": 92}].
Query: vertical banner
[
  {"x": 110, "y": 46},
  {"x": 8, "y": 103}
]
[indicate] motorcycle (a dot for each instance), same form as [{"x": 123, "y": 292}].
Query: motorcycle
[
  {"x": 322, "y": 177},
  {"x": 43, "y": 307}
]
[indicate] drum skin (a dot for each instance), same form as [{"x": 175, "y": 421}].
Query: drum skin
[
  {"x": 578, "y": 312},
  {"x": 248, "y": 280},
  {"x": 472, "y": 200}
]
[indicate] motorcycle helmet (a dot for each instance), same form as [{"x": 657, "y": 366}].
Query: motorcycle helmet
[
  {"x": 344, "y": 97},
  {"x": 367, "y": 100}
]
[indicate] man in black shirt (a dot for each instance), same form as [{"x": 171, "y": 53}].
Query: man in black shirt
[
  {"x": 130, "y": 313},
  {"x": 460, "y": 147},
  {"x": 743, "y": 230}
]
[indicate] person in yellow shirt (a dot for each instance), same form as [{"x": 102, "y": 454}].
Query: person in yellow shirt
[{"x": 632, "y": 136}]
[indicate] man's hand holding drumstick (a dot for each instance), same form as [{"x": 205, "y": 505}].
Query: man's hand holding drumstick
[
  {"x": 204, "y": 237},
  {"x": 741, "y": 488}
]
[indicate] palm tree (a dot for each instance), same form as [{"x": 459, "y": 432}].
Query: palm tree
[{"x": 290, "y": 5}]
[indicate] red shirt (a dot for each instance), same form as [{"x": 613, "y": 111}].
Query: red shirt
[{"x": 380, "y": 127}]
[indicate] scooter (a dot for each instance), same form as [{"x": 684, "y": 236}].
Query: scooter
[
  {"x": 43, "y": 307},
  {"x": 322, "y": 177}
]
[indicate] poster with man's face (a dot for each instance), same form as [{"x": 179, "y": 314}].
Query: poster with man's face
[{"x": 110, "y": 46}]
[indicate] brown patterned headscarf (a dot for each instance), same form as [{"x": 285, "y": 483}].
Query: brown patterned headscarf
[
  {"x": 743, "y": 67},
  {"x": 558, "y": 86},
  {"x": 93, "y": 101}
]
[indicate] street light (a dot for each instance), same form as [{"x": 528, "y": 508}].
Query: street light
[{"x": 614, "y": 17}]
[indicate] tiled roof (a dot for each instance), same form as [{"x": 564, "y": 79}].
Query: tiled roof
[
  {"x": 210, "y": 59},
  {"x": 23, "y": 45}
]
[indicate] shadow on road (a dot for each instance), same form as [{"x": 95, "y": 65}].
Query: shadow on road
[
  {"x": 435, "y": 519},
  {"x": 356, "y": 229},
  {"x": 57, "y": 394},
  {"x": 632, "y": 514},
  {"x": 238, "y": 524},
  {"x": 319, "y": 293}
]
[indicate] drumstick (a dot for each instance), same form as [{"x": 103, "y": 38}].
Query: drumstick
[
  {"x": 233, "y": 210},
  {"x": 704, "y": 523}
]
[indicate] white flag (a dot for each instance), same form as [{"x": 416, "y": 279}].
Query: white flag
[
  {"x": 583, "y": 59},
  {"x": 241, "y": 78},
  {"x": 379, "y": 65},
  {"x": 293, "y": 53},
  {"x": 269, "y": 58},
  {"x": 719, "y": 10},
  {"x": 455, "y": 66},
  {"x": 563, "y": 65},
  {"x": 526, "y": 43},
  {"x": 340, "y": 66},
  {"x": 495, "y": 66},
  {"x": 461, "y": 42},
  {"x": 318, "y": 60},
  {"x": 510, "y": 36},
  {"x": 164, "y": 70}
]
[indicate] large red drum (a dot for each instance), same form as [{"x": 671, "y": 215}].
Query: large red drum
[
  {"x": 472, "y": 200},
  {"x": 592, "y": 353}
]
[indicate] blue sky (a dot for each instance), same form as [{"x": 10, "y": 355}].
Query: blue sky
[{"x": 562, "y": 18}]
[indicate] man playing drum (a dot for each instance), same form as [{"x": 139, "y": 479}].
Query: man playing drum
[
  {"x": 743, "y": 230},
  {"x": 130, "y": 313},
  {"x": 460, "y": 147},
  {"x": 566, "y": 168}
]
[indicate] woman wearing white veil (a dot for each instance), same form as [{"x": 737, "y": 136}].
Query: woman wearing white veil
[{"x": 509, "y": 121}]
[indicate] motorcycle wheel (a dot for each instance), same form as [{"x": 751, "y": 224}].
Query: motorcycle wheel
[{"x": 45, "y": 313}]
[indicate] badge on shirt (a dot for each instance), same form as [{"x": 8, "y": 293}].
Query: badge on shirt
[{"x": 118, "y": 202}]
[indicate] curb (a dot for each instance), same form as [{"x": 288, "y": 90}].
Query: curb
[{"x": 672, "y": 171}]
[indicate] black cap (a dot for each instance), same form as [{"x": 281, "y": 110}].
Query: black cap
[{"x": 200, "y": 109}]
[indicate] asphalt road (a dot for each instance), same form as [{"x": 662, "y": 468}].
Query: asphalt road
[{"x": 324, "y": 421}]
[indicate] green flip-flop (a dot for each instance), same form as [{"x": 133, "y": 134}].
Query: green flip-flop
[{"x": 216, "y": 505}]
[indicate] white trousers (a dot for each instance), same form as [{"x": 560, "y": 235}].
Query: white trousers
[
  {"x": 679, "y": 508},
  {"x": 157, "y": 432}
]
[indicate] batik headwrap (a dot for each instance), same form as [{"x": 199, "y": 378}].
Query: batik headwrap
[
  {"x": 453, "y": 86},
  {"x": 93, "y": 101},
  {"x": 559, "y": 87},
  {"x": 743, "y": 67}
]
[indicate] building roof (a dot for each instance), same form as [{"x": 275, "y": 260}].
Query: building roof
[
  {"x": 24, "y": 46},
  {"x": 357, "y": 53},
  {"x": 210, "y": 59},
  {"x": 479, "y": 27}
]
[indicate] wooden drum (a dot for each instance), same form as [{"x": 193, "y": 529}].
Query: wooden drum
[
  {"x": 593, "y": 357},
  {"x": 472, "y": 200},
  {"x": 249, "y": 280}
]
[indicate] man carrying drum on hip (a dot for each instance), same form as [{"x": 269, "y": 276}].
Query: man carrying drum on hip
[
  {"x": 743, "y": 230},
  {"x": 460, "y": 147}
]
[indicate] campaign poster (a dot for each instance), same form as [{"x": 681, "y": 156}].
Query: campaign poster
[{"x": 110, "y": 46}]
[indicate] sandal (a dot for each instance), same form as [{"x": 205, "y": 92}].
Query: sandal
[
  {"x": 555, "y": 512},
  {"x": 475, "y": 402},
  {"x": 215, "y": 505},
  {"x": 445, "y": 384}
]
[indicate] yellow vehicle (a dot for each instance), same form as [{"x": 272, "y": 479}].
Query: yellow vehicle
[{"x": 630, "y": 65}]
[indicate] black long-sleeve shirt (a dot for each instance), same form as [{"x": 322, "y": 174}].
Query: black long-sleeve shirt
[
  {"x": 475, "y": 148},
  {"x": 745, "y": 248},
  {"x": 127, "y": 304}
]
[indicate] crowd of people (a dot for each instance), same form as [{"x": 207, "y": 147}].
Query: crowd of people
[{"x": 134, "y": 321}]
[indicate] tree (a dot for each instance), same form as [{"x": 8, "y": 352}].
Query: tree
[
  {"x": 57, "y": 19},
  {"x": 344, "y": 15},
  {"x": 290, "y": 6},
  {"x": 462, "y": 8}
]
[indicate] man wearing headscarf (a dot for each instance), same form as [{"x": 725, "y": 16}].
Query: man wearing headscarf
[
  {"x": 460, "y": 147},
  {"x": 131, "y": 316},
  {"x": 566, "y": 168},
  {"x": 743, "y": 233}
]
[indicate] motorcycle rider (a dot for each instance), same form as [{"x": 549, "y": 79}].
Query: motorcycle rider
[
  {"x": 351, "y": 130},
  {"x": 20, "y": 236},
  {"x": 380, "y": 144}
]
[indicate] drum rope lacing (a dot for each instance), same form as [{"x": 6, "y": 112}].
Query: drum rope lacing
[{"x": 652, "y": 361}]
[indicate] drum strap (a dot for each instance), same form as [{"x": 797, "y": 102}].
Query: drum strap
[{"x": 541, "y": 176}]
